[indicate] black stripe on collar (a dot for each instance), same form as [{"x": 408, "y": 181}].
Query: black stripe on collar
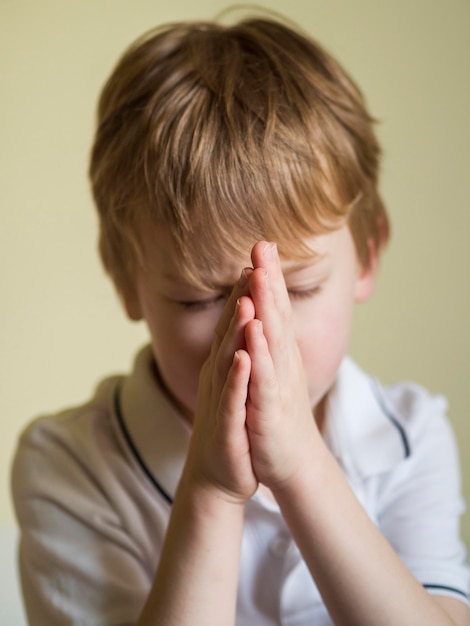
[
  {"x": 392, "y": 418},
  {"x": 446, "y": 588},
  {"x": 133, "y": 448}
]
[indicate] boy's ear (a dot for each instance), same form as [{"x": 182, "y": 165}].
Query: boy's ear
[{"x": 365, "y": 284}]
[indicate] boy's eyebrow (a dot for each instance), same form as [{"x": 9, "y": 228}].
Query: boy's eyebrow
[
  {"x": 179, "y": 280},
  {"x": 314, "y": 260},
  {"x": 223, "y": 285}
]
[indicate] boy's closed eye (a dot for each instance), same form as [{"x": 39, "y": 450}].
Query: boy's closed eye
[
  {"x": 202, "y": 305},
  {"x": 303, "y": 294}
]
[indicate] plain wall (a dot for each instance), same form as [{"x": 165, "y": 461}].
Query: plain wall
[{"x": 61, "y": 326}]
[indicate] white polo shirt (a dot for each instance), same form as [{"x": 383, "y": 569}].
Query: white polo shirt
[{"x": 93, "y": 488}]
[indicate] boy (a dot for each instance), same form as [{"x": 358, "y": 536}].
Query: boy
[{"x": 246, "y": 471}]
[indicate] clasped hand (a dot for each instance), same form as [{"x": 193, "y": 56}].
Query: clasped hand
[{"x": 253, "y": 422}]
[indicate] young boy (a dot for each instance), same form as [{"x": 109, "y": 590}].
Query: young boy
[{"x": 246, "y": 472}]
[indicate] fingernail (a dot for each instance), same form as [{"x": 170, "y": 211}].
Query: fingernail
[
  {"x": 245, "y": 274},
  {"x": 270, "y": 251}
]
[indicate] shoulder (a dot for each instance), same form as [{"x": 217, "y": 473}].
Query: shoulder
[
  {"x": 66, "y": 446},
  {"x": 94, "y": 457},
  {"x": 419, "y": 502},
  {"x": 414, "y": 407},
  {"x": 422, "y": 421},
  {"x": 71, "y": 421},
  {"x": 379, "y": 427},
  {"x": 84, "y": 511}
]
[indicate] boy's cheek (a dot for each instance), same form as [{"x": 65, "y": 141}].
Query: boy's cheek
[{"x": 322, "y": 348}]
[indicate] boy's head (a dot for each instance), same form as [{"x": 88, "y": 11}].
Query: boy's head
[{"x": 222, "y": 136}]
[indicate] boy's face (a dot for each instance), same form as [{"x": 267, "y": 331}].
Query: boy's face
[{"x": 181, "y": 318}]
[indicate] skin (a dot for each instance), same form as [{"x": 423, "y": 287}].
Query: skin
[
  {"x": 182, "y": 319},
  {"x": 250, "y": 370}
]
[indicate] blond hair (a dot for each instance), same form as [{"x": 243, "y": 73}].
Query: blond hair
[{"x": 227, "y": 135}]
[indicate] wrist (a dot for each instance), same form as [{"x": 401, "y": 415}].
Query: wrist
[
  {"x": 310, "y": 476},
  {"x": 208, "y": 498}
]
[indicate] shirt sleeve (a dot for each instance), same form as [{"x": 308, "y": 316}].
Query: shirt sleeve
[
  {"x": 79, "y": 562},
  {"x": 422, "y": 505}
]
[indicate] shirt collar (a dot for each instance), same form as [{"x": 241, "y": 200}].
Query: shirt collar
[
  {"x": 362, "y": 429},
  {"x": 160, "y": 436}
]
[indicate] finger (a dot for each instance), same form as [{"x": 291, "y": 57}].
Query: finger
[
  {"x": 265, "y": 255},
  {"x": 233, "y": 340},
  {"x": 232, "y": 405},
  {"x": 277, "y": 324},
  {"x": 263, "y": 389},
  {"x": 231, "y": 436},
  {"x": 240, "y": 289}
]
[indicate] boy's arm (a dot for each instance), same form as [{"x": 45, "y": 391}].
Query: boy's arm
[
  {"x": 360, "y": 577},
  {"x": 197, "y": 576}
]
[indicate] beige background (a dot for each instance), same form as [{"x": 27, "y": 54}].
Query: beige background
[{"x": 61, "y": 327}]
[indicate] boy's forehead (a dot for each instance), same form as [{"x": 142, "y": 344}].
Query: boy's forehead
[
  {"x": 163, "y": 255},
  {"x": 223, "y": 274},
  {"x": 227, "y": 272}
]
